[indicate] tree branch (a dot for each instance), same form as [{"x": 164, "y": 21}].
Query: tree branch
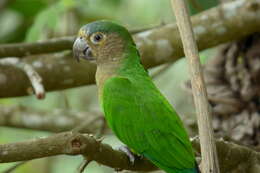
[
  {"x": 42, "y": 47},
  {"x": 60, "y": 120},
  {"x": 55, "y": 121},
  {"x": 33, "y": 76},
  {"x": 157, "y": 46},
  {"x": 25, "y": 49},
  {"x": 71, "y": 144},
  {"x": 74, "y": 144},
  {"x": 204, "y": 115},
  {"x": 234, "y": 157},
  {"x": 58, "y": 71}
]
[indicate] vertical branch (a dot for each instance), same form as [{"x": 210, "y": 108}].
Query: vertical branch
[{"x": 208, "y": 148}]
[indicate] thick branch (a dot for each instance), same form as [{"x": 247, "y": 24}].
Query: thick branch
[
  {"x": 58, "y": 71},
  {"x": 55, "y": 121},
  {"x": 71, "y": 144},
  {"x": 74, "y": 143},
  {"x": 157, "y": 46}
]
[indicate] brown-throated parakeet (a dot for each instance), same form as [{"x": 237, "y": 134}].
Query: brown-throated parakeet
[{"x": 134, "y": 108}]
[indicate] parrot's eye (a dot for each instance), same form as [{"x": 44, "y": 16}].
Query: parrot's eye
[{"x": 96, "y": 38}]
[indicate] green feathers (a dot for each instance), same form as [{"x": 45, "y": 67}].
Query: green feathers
[
  {"x": 137, "y": 112},
  {"x": 143, "y": 119}
]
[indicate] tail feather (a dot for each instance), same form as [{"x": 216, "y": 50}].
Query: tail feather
[
  {"x": 174, "y": 170},
  {"x": 193, "y": 170}
]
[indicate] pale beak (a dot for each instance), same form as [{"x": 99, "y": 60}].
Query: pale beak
[{"x": 82, "y": 50}]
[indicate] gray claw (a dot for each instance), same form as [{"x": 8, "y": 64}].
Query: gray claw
[{"x": 129, "y": 153}]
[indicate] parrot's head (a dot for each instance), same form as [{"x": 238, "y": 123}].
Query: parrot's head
[{"x": 101, "y": 42}]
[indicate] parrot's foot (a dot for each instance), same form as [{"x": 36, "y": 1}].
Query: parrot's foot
[{"x": 132, "y": 156}]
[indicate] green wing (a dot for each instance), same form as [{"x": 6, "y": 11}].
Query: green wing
[{"x": 143, "y": 119}]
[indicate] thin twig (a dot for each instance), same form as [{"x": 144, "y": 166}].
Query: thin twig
[
  {"x": 33, "y": 76},
  {"x": 83, "y": 165},
  {"x": 208, "y": 147}
]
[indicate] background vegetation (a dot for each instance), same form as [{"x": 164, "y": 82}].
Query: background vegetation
[{"x": 39, "y": 20}]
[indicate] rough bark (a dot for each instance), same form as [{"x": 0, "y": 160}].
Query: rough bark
[{"x": 70, "y": 143}]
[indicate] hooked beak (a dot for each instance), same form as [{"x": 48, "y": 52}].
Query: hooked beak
[{"x": 82, "y": 50}]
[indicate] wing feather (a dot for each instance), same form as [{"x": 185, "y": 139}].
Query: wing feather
[{"x": 144, "y": 120}]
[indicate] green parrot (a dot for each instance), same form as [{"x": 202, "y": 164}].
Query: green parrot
[{"x": 134, "y": 108}]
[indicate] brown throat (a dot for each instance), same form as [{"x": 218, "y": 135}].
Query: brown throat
[{"x": 104, "y": 72}]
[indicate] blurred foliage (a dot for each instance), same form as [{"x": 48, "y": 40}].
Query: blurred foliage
[
  {"x": 196, "y": 6},
  {"x": 47, "y": 19},
  {"x": 28, "y": 8},
  {"x": 32, "y": 20}
]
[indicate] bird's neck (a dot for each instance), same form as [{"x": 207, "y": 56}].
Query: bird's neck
[
  {"x": 126, "y": 65},
  {"x": 106, "y": 71}
]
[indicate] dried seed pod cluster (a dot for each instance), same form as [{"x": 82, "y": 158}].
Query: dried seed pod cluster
[{"x": 233, "y": 85}]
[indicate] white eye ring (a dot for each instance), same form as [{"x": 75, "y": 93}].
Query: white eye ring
[{"x": 96, "y": 37}]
